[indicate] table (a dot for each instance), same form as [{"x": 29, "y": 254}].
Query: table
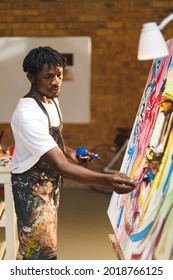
[{"x": 8, "y": 221}]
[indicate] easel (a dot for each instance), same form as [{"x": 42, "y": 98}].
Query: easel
[{"x": 116, "y": 247}]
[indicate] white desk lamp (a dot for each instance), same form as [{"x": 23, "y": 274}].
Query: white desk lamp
[{"x": 151, "y": 42}]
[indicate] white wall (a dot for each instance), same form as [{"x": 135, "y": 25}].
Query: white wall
[{"x": 75, "y": 95}]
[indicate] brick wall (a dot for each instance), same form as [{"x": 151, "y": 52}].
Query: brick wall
[{"x": 117, "y": 79}]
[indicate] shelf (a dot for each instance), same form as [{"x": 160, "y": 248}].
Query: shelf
[
  {"x": 8, "y": 234},
  {"x": 2, "y": 208},
  {"x": 2, "y": 249},
  {"x": 2, "y": 214}
]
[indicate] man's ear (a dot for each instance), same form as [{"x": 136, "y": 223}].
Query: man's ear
[{"x": 30, "y": 78}]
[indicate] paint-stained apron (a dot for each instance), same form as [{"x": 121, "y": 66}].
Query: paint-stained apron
[{"x": 36, "y": 200}]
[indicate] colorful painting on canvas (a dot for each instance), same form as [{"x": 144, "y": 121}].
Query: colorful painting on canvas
[{"x": 143, "y": 220}]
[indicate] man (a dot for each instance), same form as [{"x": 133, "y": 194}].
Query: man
[{"x": 41, "y": 158}]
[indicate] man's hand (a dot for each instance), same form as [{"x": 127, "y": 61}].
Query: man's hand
[
  {"x": 71, "y": 155},
  {"x": 122, "y": 184}
]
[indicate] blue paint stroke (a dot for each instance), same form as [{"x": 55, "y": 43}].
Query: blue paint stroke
[
  {"x": 157, "y": 66},
  {"x": 170, "y": 65},
  {"x": 132, "y": 151},
  {"x": 131, "y": 195},
  {"x": 168, "y": 177},
  {"x": 120, "y": 215},
  {"x": 140, "y": 235},
  {"x": 150, "y": 176}
]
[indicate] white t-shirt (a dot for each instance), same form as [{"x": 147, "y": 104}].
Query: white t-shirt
[{"x": 31, "y": 133}]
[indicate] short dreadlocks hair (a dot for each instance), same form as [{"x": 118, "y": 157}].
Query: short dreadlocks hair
[{"x": 36, "y": 58}]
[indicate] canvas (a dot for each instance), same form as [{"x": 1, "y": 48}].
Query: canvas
[{"x": 143, "y": 219}]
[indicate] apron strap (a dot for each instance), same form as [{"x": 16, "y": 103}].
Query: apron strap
[{"x": 35, "y": 97}]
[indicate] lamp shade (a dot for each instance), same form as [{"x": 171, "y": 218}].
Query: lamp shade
[{"x": 151, "y": 43}]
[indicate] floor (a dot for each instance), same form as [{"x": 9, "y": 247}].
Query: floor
[{"x": 84, "y": 225}]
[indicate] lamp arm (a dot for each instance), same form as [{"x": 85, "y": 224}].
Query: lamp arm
[{"x": 165, "y": 21}]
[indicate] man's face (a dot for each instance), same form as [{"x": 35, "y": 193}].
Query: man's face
[{"x": 48, "y": 81}]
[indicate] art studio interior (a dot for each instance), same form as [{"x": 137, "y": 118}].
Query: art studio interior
[{"x": 116, "y": 101}]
